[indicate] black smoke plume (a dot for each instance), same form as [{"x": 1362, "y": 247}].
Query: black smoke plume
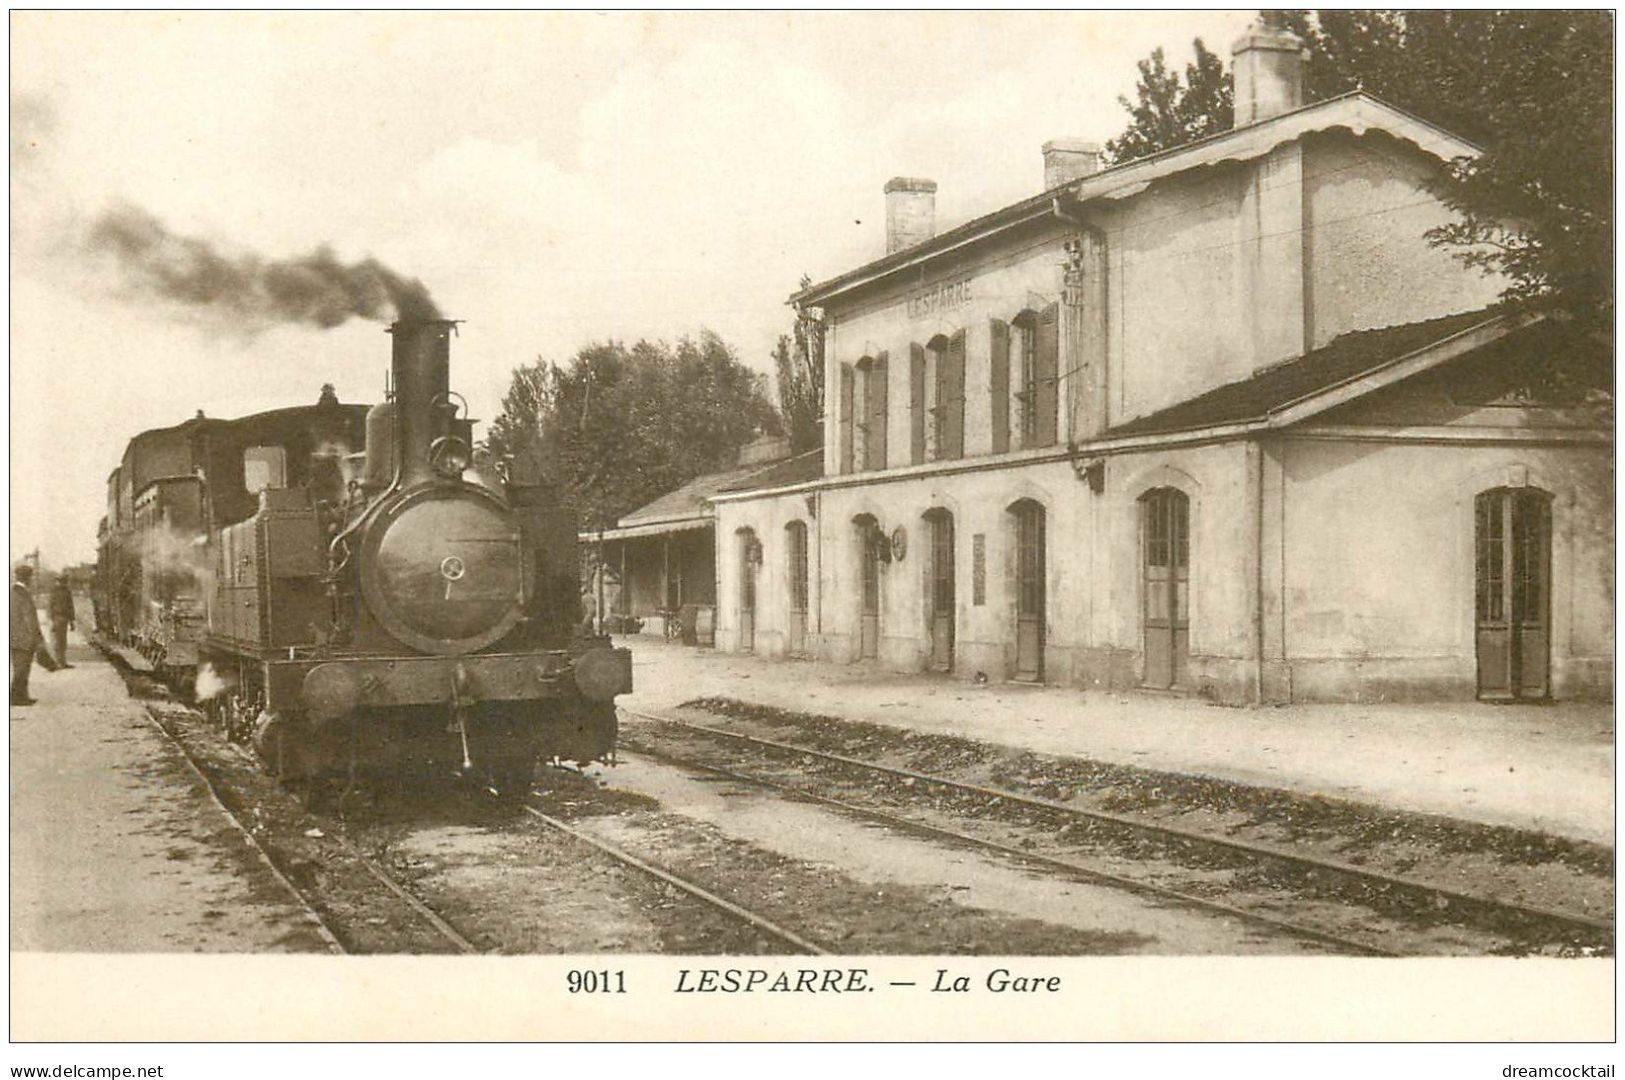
[{"x": 247, "y": 289}]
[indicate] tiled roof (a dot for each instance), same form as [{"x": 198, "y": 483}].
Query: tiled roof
[
  {"x": 793, "y": 470},
  {"x": 687, "y": 501},
  {"x": 1346, "y": 357},
  {"x": 690, "y": 500}
]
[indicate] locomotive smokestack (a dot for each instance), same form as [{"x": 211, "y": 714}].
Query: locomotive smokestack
[{"x": 421, "y": 362}]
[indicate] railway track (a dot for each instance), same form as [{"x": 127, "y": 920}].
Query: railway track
[
  {"x": 1476, "y": 911},
  {"x": 422, "y": 910},
  {"x": 760, "y": 923},
  {"x": 1064, "y": 866},
  {"x": 335, "y": 939},
  {"x": 312, "y": 914},
  {"x": 332, "y": 937}
]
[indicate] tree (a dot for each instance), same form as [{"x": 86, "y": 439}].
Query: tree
[
  {"x": 1171, "y": 110},
  {"x": 798, "y": 366},
  {"x": 1533, "y": 88},
  {"x": 618, "y": 426}
]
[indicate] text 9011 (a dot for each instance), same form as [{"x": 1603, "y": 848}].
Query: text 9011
[{"x": 596, "y": 982}]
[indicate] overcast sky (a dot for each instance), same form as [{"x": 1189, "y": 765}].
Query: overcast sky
[{"x": 553, "y": 180}]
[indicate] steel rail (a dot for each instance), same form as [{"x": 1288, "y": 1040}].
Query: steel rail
[
  {"x": 433, "y": 918},
  {"x": 383, "y": 877},
  {"x": 319, "y": 924},
  {"x": 766, "y": 926},
  {"x": 1526, "y": 912},
  {"x": 428, "y": 914},
  {"x": 1077, "y": 870}
]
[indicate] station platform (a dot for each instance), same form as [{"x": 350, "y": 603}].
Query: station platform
[
  {"x": 116, "y": 846},
  {"x": 1542, "y": 767}
]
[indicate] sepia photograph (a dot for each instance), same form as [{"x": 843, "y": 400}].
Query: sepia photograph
[{"x": 812, "y": 526}]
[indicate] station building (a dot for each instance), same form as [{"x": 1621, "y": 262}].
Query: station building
[
  {"x": 1216, "y": 421},
  {"x": 655, "y": 569}
]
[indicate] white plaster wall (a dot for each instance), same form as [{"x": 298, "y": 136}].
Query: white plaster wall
[
  {"x": 1026, "y": 275},
  {"x": 769, "y": 518},
  {"x": 1179, "y": 259},
  {"x": 1215, "y": 480},
  {"x": 1367, "y": 587},
  {"x": 979, "y": 503},
  {"x": 1210, "y": 275},
  {"x": 1379, "y": 556},
  {"x": 1093, "y": 573},
  {"x": 1175, "y": 256},
  {"x": 1368, "y": 210}
]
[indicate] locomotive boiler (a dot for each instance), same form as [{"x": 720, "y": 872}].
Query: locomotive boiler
[{"x": 401, "y": 609}]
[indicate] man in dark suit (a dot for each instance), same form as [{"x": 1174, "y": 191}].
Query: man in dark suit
[
  {"x": 61, "y": 608},
  {"x": 25, "y": 635}
]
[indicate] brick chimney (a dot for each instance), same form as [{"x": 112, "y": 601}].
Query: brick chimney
[
  {"x": 1267, "y": 61},
  {"x": 911, "y": 212},
  {"x": 1069, "y": 159}
]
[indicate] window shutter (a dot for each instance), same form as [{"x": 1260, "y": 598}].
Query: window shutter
[
  {"x": 1048, "y": 356},
  {"x": 916, "y": 404},
  {"x": 954, "y": 443},
  {"x": 999, "y": 389},
  {"x": 846, "y": 418},
  {"x": 878, "y": 398}
]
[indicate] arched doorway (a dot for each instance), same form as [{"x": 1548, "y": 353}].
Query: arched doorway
[
  {"x": 940, "y": 589},
  {"x": 1165, "y": 527},
  {"x": 750, "y": 555},
  {"x": 795, "y": 535},
  {"x": 1512, "y": 586},
  {"x": 869, "y": 541},
  {"x": 1030, "y": 589}
]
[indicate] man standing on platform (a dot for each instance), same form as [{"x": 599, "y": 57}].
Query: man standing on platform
[
  {"x": 61, "y": 607},
  {"x": 25, "y": 635}
]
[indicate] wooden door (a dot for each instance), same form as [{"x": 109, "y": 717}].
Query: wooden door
[
  {"x": 1513, "y": 571},
  {"x": 942, "y": 592},
  {"x": 869, "y": 618},
  {"x": 747, "y": 592},
  {"x": 797, "y": 634},
  {"x": 1030, "y": 586},
  {"x": 1167, "y": 587}
]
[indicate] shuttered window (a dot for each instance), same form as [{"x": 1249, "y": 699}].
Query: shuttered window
[
  {"x": 844, "y": 415},
  {"x": 949, "y": 413},
  {"x": 916, "y": 404},
  {"x": 875, "y": 393},
  {"x": 1027, "y": 359},
  {"x": 999, "y": 384},
  {"x": 1048, "y": 356},
  {"x": 1039, "y": 348}
]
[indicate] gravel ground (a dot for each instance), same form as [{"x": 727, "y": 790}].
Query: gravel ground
[
  {"x": 1513, "y": 864},
  {"x": 509, "y": 885},
  {"x": 856, "y": 885},
  {"x": 503, "y": 884},
  {"x": 1548, "y": 768},
  {"x": 115, "y": 844}
]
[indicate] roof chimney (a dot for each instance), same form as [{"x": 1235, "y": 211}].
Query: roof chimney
[
  {"x": 1267, "y": 61},
  {"x": 1069, "y": 159},
  {"x": 911, "y": 212}
]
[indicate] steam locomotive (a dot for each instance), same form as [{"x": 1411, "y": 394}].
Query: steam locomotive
[{"x": 356, "y": 590}]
